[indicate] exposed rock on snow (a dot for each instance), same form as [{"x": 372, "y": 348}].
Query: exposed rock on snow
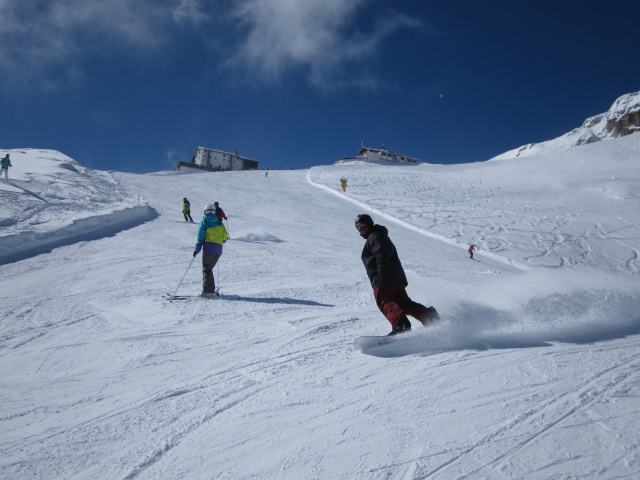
[{"x": 623, "y": 118}]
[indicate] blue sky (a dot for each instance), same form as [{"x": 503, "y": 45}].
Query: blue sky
[{"x": 136, "y": 85}]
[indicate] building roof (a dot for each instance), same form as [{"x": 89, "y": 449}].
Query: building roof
[{"x": 384, "y": 152}]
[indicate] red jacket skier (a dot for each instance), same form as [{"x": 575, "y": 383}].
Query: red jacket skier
[{"x": 219, "y": 212}]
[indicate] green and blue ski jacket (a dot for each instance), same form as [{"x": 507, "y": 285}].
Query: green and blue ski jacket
[{"x": 211, "y": 235}]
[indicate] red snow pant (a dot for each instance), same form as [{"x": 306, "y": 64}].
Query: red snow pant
[{"x": 395, "y": 305}]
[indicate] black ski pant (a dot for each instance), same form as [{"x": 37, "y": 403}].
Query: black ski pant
[{"x": 209, "y": 261}]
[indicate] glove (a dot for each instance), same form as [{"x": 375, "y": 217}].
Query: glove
[{"x": 194, "y": 254}]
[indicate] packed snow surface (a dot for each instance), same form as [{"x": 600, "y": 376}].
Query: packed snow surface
[{"x": 532, "y": 373}]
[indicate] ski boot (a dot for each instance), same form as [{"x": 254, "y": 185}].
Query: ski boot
[
  {"x": 430, "y": 317},
  {"x": 403, "y": 327}
]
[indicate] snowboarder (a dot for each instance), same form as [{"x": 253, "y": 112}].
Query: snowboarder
[
  {"x": 388, "y": 279},
  {"x": 186, "y": 210},
  {"x": 5, "y": 163},
  {"x": 219, "y": 212},
  {"x": 343, "y": 182},
  {"x": 211, "y": 236},
  {"x": 471, "y": 249}
]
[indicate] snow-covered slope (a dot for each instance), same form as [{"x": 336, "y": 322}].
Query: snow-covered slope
[
  {"x": 51, "y": 200},
  {"x": 623, "y": 118},
  {"x": 574, "y": 208},
  {"x": 533, "y": 373}
]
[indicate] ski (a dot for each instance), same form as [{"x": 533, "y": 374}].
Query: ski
[
  {"x": 367, "y": 342},
  {"x": 171, "y": 297}
]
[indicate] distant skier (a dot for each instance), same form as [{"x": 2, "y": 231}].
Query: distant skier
[
  {"x": 471, "y": 249},
  {"x": 211, "y": 236},
  {"x": 219, "y": 212},
  {"x": 388, "y": 279},
  {"x": 343, "y": 182},
  {"x": 5, "y": 163},
  {"x": 186, "y": 210}
]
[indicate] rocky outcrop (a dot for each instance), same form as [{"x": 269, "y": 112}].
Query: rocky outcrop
[{"x": 623, "y": 118}]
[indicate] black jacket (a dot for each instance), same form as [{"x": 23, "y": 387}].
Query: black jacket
[{"x": 381, "y": 260}]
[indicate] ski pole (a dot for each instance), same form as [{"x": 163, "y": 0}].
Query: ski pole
[{"x": 185, "y": 274}]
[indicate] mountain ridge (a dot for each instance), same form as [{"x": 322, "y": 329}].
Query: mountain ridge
[{"x": 622, "y": 119}]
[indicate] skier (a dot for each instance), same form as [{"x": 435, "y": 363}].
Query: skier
[
  {"x": 471, "y": 249},
  {"x": 219, "y": 212},
  {"x": 388, "y": 279},
  {"x": 211, "y": 236},
  {"x": 343, "y": 182},
  {"x": 5, "y": 163},
  {"x": 186, "y": 210}
]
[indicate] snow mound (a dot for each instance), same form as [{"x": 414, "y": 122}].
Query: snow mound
[{"x": 51, "y": 200}]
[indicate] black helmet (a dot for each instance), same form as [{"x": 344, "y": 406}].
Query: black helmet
[{"x": 364, "y": 219}]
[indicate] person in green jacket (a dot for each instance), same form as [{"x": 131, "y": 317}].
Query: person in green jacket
[
  {"x": 186, "y": 210},
  {"x": 5, "y": 163}
]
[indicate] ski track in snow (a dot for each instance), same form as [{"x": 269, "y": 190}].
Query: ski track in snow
[{"x": 532, "y": 374}]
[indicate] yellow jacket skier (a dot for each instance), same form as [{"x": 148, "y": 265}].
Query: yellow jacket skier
[
  {"x": 186, "y": 210},
  {"x": 211, "y": 236}
]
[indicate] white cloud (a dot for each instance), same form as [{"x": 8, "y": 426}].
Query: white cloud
[
  {"x": 46, "y": 43},
  {"x": 192, "y": 13},
  {"x": 172, "y": 156},
  {"x": 318, "y": 36}
]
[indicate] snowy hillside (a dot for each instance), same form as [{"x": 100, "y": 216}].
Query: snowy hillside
[
  {"x": 533, "y": 373},
  {"x": 574, "y": 208},
  {"x": 623, "y": 118},
  {"x": 51, "y": 200}
]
